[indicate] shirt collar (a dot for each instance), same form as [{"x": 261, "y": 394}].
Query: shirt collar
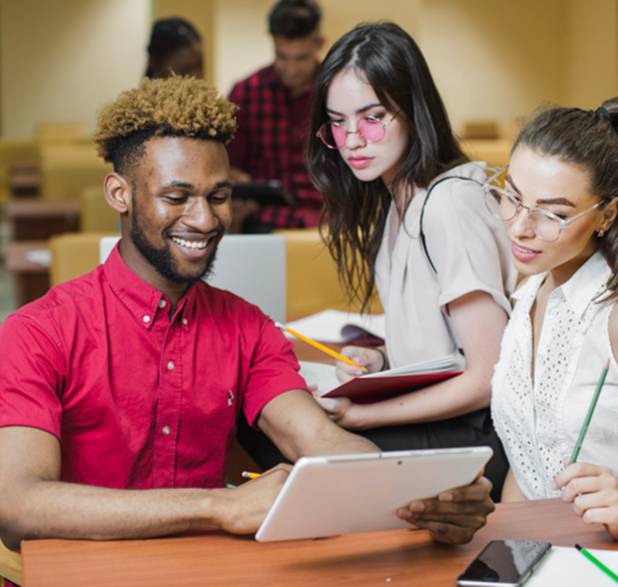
[
  {"x": 142, "y": 299},
  {"x": 586, "y": 283},
  {"x": 583, "y": 286}
]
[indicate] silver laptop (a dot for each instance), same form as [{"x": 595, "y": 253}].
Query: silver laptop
[{"x": 250, "y": 265}]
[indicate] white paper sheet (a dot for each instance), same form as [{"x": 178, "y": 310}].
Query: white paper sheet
[{"x": 566, "y": 567}]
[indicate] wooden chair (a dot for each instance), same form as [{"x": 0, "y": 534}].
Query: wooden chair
[
  {"x": 67, "y": 169},
  {"x": 95, "y": 214},
  {"x": 312, "y": 280},
  {"x": 13, "y": 152},
  {"x": 10, "y": 566},
  {"x": 73, "y": 254}
]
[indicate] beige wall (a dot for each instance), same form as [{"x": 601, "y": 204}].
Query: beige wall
[
  {"x": 62, "y": 60},
  {"x": 495, "y": 59},
  {"x": 591, "y": 70}
]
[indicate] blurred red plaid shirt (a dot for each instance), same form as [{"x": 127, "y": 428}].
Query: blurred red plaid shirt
[{"x": 270, "y": 144}]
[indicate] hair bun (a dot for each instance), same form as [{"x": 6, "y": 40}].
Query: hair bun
[{"x": 610, "y": 115}]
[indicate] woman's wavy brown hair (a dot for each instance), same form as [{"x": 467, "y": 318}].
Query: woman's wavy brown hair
[{"x": 356, "y": 211}]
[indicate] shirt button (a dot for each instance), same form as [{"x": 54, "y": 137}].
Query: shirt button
[
  {"x": 166, "y": 430},
  {"x": 170, "y": 365},
  {"x": 162, "y": 304},
  {"x": 146, "y": 319},
  {"x": 185, "y": 321}
]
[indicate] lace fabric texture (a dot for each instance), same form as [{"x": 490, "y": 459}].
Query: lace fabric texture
[{"x": 537, "y": 412}]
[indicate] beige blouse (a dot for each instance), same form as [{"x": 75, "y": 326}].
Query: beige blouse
[{"x": 470, "y": 251}]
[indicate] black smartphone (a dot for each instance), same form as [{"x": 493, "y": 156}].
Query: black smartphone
[{"x": 504, "y": 563}]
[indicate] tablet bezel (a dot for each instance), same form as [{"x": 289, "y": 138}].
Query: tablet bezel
[{"x": 330, "y": 495}]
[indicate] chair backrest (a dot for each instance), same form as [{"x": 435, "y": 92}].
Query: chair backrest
[
  {"x": 252, "y": 266},
  {"x": 12, "y": 152},
  {"x": 313, "y": 284},
  {"x": 95, "y": 214},
  {"x": 10, "y": 565},
  {"x": 73, "y": 254},
  {"x": 66, "y": 169}
]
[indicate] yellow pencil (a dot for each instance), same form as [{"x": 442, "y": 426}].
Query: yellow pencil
[
  {"x": 250, "y": 475},
  {"x": 320, "y": 346}
]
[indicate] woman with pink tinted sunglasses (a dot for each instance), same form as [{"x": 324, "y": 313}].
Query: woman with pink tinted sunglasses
[{"x": 406, "y": 215}]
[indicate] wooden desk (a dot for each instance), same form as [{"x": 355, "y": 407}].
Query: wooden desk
[
  {"x": 24, "y": 179},
  {"x": 398, "y": 557},
  {"x": 31, "y": 279},
  {"x": 37, "y": 219}
]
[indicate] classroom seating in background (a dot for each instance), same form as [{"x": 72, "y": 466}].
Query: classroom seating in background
[
  {"x": 73, "y": 254},
  {"x": 312, "y": 281},
  {"x": 95, "y": 213},
  {"x": 67, "y": 169},
  {"x": 480, "y": 129},
  {"x": 15, "y": 153}
]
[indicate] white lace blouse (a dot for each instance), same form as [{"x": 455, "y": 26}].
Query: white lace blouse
[{"x": 539, "y": 421}]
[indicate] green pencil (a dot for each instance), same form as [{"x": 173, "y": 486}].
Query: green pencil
[
  {"x": 595, "y": 561},
  {"x": 591, "y": 407}
]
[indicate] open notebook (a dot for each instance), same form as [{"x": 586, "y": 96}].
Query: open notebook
[
  {"x": 383, "y": 385},
  {"x": 341, "y": 327}
]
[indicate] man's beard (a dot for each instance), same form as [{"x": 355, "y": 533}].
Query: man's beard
[{"x": 161, "y": 259}]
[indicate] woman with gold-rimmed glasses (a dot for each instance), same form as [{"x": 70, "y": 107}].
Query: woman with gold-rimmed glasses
[
  {"x": 557, "y": 200},
  {"x": 406, "y": 215}
]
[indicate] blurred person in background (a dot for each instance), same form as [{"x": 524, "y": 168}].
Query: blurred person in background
[
  {"x": 175, "y": 47},
  {"x": 273, "y": 119}
]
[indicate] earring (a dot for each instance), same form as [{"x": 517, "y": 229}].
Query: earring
[{"x": 601, "y": 233}]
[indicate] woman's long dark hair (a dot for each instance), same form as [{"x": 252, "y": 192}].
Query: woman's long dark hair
[
  {"x": 356, "y": 211},
  {"x": 588, "y": 138}
]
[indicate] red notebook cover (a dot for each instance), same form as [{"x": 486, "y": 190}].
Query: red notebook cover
[{"x": 365, "y": 390}]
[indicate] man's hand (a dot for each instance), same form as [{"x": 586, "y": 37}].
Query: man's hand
[
  {"x": 593, "y": 490},
  {"x": 243, "y": 509},
  {"x": 455, "y": 515}
]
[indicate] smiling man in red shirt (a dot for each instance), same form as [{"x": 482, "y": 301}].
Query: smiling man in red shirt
[{"x": 119, "y": 391}]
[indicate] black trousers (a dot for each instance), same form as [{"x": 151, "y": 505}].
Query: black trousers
[{"x": 470, "y": 430}]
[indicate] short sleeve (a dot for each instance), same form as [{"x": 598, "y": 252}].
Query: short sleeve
[
  {"x": 30, "y": 376},
  {"x": 466, "y": 244},
  {"x": 273, "y": 370}
]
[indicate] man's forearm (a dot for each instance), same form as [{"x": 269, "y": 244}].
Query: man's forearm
[
  {"x": 299, "y": 427},
  {"x": 62, "y": 510}
]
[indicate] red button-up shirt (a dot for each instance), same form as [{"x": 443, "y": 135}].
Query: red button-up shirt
[
  {"x": 270, "y": 144},
  {"x": 139, "y": 399}
]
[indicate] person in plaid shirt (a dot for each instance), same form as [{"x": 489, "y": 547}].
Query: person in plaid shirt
[{"x": 273, "y": 120}]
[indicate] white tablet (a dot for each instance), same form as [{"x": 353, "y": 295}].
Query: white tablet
[{"x": 325, "y": 496}]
